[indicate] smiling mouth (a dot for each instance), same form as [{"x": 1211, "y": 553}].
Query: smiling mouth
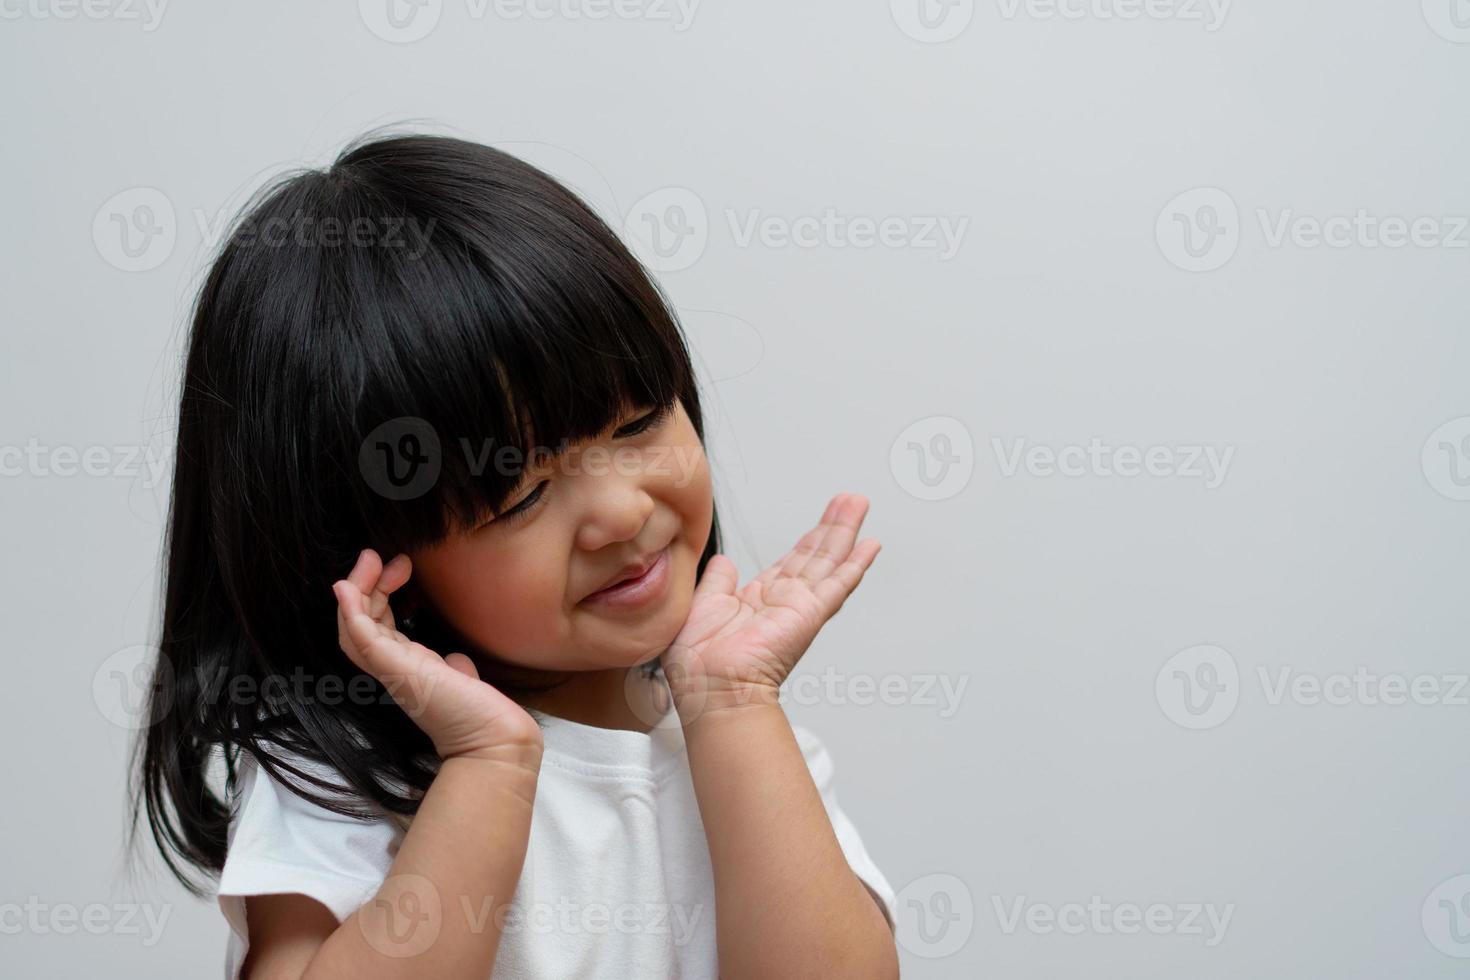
[{"x": 635, "y": 590}]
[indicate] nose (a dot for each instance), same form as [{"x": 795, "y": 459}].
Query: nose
[{"x": 617, "y": 507}]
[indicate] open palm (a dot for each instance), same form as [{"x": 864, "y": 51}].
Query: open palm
[{"x": 739, "y": 644}]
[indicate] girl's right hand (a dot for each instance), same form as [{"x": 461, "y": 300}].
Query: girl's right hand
[{"x": 463, "y": 715}]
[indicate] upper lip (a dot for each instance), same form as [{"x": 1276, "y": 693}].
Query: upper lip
[{"x": 628, "y": 571}]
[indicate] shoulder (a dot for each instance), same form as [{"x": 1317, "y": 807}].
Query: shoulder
[
  {"x": 279, "y": 841},
  {"x": 290, "y": 788}
]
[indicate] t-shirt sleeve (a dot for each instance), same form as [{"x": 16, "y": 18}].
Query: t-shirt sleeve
[
  {"x": 279, "y": 843},
  {"x": 819, "y": 762}
]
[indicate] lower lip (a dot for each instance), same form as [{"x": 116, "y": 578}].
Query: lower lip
[{"x": 635, "y": 592}]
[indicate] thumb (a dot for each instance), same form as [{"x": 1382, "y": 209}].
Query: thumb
[{"x": 463, "y": 664}]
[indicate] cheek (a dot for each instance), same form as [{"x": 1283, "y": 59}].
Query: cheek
[
  {"x": 505, "y": 603},
  {"x": 692, "y": 494}
]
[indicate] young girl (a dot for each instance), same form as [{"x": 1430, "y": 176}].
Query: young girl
[{"x": 444, "y": 599}]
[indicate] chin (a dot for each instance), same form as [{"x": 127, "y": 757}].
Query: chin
[{"x": 647, "y": 641}]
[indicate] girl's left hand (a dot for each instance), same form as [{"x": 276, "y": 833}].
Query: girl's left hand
[{"x": 737, "y": 647}]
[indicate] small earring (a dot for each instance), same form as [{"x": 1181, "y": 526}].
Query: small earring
[{"x": 405, "y": 624}]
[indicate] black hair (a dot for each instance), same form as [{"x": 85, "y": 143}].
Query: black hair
[{"x": 357, "y": 323}]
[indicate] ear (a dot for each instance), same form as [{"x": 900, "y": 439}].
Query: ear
[{"x": 408, "y": 603}]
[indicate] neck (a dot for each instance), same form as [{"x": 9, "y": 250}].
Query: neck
[{"x": 622, "y": 698}]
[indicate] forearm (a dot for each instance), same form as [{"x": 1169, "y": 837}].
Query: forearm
[
  {"x": 440, "y": 910},
  {"x": 787, "y": 904}
]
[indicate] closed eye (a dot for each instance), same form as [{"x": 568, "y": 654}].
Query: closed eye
[
  {"x": 642, "y": 425},
  {"x": 527, "y": 503},
  {"x": 637, "y": 427}
]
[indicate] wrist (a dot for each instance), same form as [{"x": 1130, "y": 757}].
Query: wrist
[
  {"x": 512, "y": 760},
  {"x": 501, "y": 778},
  {"x": 725, "y": 700}
]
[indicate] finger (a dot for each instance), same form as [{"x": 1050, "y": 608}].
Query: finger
[
  {"x": 772, "y": 570},
  {"x": 719, "y": 578},
  {"x": 349, "y": 605},
  {"x": 395, "y": 573},
  {"x": 463, "y": 664},
  {"x": 836, "y": 587},
  {"x": 393, "y": 576},
  {"x": 378, "y": 651},
  {"x": 364, "y": 574},
  {"x": 808, "y": 541},
  {"x": 833, "y": 549},
  {"x": 797, "y": 557}
]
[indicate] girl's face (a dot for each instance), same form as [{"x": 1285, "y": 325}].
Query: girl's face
[{"x": 517, "y": 585}]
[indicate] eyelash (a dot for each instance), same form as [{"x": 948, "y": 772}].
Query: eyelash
[
  {"x": 652, "y": 420},
  {"x": 528, "y": 503}
]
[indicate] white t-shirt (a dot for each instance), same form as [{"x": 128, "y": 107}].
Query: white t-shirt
[{"x": 617, "y": 879}]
